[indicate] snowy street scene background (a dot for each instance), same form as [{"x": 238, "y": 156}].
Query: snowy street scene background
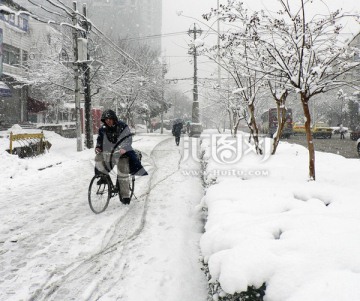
[{"x": 238, "y": 120}]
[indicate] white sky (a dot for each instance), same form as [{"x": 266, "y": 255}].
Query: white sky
[{"x": 176, "y": 47}]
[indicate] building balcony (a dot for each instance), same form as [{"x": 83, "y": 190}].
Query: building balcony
[{"x": 16, "y": 72}]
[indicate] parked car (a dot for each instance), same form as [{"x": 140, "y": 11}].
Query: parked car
[
  {"x": 298, "y": 129},
  {"x": 358, "y": 146},
  {"x": 355, "y": 135},
  {"x": 321, "y": 130}
]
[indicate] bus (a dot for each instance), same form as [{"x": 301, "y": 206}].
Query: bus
[{"x": 269, "y": 123}]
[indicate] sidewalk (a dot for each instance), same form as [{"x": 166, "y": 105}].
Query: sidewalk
[
  {"x": 167, "y": 251},
  {"x": 54, "y": 248}
]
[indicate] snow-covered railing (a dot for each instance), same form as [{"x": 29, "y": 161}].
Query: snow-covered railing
[{"x": 28, "y": 145}]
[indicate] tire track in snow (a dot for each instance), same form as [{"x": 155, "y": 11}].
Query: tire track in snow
[
  {"x": 91, "y": 276},
  {"x": 160, "y": 259},
  {"x": 158, "y": 155}
]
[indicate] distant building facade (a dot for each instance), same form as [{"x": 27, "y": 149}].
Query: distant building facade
[
  {"x": 15, "y": 45},
  {"x": 22, "y": 40},
  {"x": 354, "y": 77},
  {"x": 355, "y": 74},
  {"x": 140, "y": 19}
]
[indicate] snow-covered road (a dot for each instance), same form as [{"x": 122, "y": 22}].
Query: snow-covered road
[{"x": 54, "y": 248}]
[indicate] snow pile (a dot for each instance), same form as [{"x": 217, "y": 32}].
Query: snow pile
[{"x": 268, "y": 225}]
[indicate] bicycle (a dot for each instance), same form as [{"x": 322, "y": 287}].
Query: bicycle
[{"x": 99, "y": 195}]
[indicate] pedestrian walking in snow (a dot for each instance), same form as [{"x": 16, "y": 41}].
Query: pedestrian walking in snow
[
  {"x": 176, "y": 130},
  {"x": 342, "y": 131},
  {"x": 113, "y": 147},
  {"x": 188, "y": 126}
]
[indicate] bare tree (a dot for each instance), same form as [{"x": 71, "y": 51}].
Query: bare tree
[
  {"x": 51, "y": 81},
  {"x": 128, "y": 86},
  {"x": 319, "y": 57},
  {"x": 308, "y": 51},
  {"x": 240, "y": 57},
  {"x": 124, "y": 81}
]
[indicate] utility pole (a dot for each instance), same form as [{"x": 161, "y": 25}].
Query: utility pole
[
  {"x": 218, "y": 44},
  {"x": 76, "y": 79},
  {"x": 195, "y": 108},
  {"x": 195, "y": 127},
  {"x": 163, "y": 72},
  {"x": 219, "y": 59},
  {"x": 87, "y": 92}
]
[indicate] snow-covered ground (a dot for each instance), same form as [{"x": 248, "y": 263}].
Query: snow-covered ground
[
  {"x": 53, "y": 247},
  {"x": 268, "y": 224},
  {"x": 265, "y": 223}
]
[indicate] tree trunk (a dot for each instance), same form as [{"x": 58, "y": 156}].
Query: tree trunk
[
  {"x": 254, "y": 131},
  {"x": 231, "y": 121},
  {"x": 235, "y": 122},
  {"x": 281, "y": 117},
  {"x": 280, "y": 102},
  {"x": 309, "y": 138}
]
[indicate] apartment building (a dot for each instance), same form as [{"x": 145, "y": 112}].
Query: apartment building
[
  {"x": 15, "y": 38},
  {"x": 355, "y": 74},
  {"x": 352, "y": 77},
  {"x": 22, "y": 39}
]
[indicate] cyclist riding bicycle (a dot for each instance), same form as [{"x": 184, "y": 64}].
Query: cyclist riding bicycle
[{"x": 113, "y": 147}]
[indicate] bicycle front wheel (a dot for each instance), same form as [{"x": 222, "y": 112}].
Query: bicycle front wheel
[{"x": 99, "y": 195}]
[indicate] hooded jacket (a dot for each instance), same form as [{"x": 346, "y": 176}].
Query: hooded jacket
[{"x": 116, "y": 137}]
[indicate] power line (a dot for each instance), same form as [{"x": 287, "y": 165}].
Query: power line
[
  {"x": 116, "y": 47},
  {"x": 187, "y": 56},
  {"x": 156, "y": 36}
]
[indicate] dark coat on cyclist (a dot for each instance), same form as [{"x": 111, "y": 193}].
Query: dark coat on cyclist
[{"x": 116, "y": 137}]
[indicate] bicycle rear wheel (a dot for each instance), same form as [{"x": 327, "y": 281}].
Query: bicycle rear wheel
[
  {"x": 99, "y": 195},
  {"x": 131, "y": 188}
]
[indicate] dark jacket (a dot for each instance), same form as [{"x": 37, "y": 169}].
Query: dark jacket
[
  {"x": 115, "y": 137},
  {"x": 112, "y": 139},
  {"x": 176, "y": 130}
]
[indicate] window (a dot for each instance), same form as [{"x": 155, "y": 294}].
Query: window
[
  {"x": 11, "y": 55},
  {"x": 24, "y": 58},
  {"x": 12, "y": 19},
  {"x": 23, "y": 23}
]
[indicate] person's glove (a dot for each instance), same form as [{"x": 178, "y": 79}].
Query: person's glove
[
  {"x": 122, "y": 151},
  {"x": 98, "y": 150}
]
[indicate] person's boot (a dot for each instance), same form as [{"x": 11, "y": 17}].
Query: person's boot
[
  {"x": 125, "y": 201},
  {"x": 101, "y": 181}
]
